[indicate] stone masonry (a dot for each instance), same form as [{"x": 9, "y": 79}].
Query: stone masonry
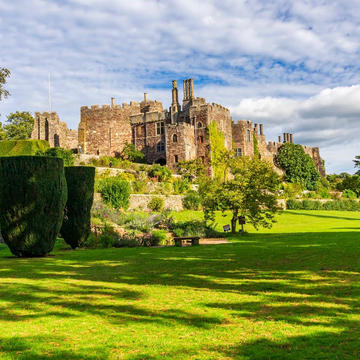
[
  {"x": 47, "y": 126},
  {"x": 165, "y": 136}
]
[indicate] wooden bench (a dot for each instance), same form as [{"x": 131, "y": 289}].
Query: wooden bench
[{"x": 185, "y": 240}]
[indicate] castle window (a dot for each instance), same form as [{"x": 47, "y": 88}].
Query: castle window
[
  {"x": 174, "y": 138},
  {"x": 199, "y": 125},
  {"x": 176, "y": 158},
  {"x": 160, "y": 128},
  {"x": 201, "y": 139},
  {"x": 248, "y": 135},
  {"x": 160, "y": 147},
  {"x": 46, "y": 129},
  {"x": 238, "y": 152}
]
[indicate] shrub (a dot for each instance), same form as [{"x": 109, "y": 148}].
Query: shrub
[
  {"x": 139, "y": 187},
  {"x": 76, "y": 224},
  {"x": 339, "y": 205},
  {"x": 32, "y": 198},
  {"x": 192, "y": 201},
  {"x": 156, "y": 204},
  {"x": 180, "y": 186},
  {"x": 107, "y": 213},
  {"x": 115, "y": 192},
  {"x": 162, "y": 173},
  {"x": 66, "y": 155},
  {"x": 22, "y": 147},
  {"x": 130, "y": 153},
  {"x": 189, "y": 228},
  {"x": 140, "y": 222},
  {"x": 159, "y": 237},
  {"x": 349, "y": 194}
]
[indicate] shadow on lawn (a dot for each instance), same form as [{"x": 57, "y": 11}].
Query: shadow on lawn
[{"x": 305, "y": 280}]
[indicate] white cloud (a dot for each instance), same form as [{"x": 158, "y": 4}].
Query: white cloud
[{"x": 273, "y": 55}]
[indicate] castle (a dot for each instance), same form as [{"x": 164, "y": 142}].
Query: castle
[{"x": 165, "y": 136}]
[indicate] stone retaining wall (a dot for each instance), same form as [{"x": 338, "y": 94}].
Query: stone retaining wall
[{"x": 141, "y": 201}]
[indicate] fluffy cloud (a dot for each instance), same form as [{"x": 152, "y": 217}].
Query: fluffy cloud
[{"x": 276, "y": 56}]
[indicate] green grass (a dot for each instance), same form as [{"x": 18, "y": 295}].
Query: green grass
[
  {"x": 292, "y": 292},
  {"x": 22, "y": 147}
]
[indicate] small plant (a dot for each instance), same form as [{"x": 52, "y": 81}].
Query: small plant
[
  {"x": 139, "y": 187},
  {"x": 192, "y": 201},
  {"x": 156, "y": 204},
  {"x": 159, "y": 237},
  {"x": 161, "y": 173},
  {"x": 349, "y": 194},
  {"x": 115, "y": 192},
  {"x": 180, "y": 186}
]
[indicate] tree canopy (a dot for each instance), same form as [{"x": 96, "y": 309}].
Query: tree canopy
[
  {"x": 4, "y": 74},
  {"x": 249, "y": 191},
  {"x": 357, "y": 163},
  {"x": 19, "y": 125},
  {"x": 298, "y": 166}
]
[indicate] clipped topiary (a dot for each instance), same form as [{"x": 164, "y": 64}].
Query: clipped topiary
[
  {"x": 32, "y": 199},
  {"x": 76, "y": 225}
]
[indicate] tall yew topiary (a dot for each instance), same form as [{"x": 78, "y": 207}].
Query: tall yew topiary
[
  {"x": 32, "y": 198},
  {"x": 76, "y": 225}
]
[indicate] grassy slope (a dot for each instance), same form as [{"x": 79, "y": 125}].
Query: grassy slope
[
  {"x": 289, "y": 293},
  {"x": 22, "y": 147}
]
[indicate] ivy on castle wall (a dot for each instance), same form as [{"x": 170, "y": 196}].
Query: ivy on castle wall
[
  {"x": 256, "y": 147},
  {"x": 217, "y": 142}
]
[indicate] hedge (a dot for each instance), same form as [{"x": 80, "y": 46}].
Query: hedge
[
  {"x": 33, "y": 194},
  {"x": 342, "y": 205},
  {"x": 22, "y": 147},
  {"x": 76, "y": 225}
]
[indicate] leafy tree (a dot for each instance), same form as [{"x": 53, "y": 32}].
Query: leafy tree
[
  {"x": 250, "y": 191},
  {"x": 19, "y": 125},
  {"x": 357, "y": 163},
  {"x": 4, "y": 73},
  {"x": 298, "y": 166},
  {"x": 66, "y": 155},
  {"x": 350, "y": 182},
  {"x": 162, "y": 173},
  {"x": 191, "y": 169},
  {"x": 129, "y": 152},
  {"x": 2, "y": 132}
]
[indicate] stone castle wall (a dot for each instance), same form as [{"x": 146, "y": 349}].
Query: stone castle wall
[{"x": 47, "y": 126}]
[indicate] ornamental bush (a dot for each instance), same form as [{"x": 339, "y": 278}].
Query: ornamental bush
[
  {"x": 76, "y": 224},
  {"x": 115, "y": 192},
  {"x": 192, "y": 201},
  {"x": 156, "y": 204},
  {"x": 33, "y": 195}
]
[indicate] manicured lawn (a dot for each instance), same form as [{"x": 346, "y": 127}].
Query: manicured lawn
[{"x": 292, "y": 292}]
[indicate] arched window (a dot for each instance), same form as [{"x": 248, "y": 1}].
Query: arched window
[
  {"x": 174, "y": 138},
  {"x": 176, "y": 158},
  {"x": 248, "y": 135},
  {"x": 160, "y": 146},
  {"x": 199, "y": 125}
]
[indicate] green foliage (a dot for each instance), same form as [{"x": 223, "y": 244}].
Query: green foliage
[
  {"x": 66, "y": 155},
  {"x": 339, "y": 205},
  {"x": 251, "y": 192},
  {"x": 180, "y": 186},
  {"x": 161, "y": 173},
  {"x": 349, "y": 194},
  {"x": 2, "y": 132},
  {"x": 350, "y": 182},
  {"x": 192, "y": 201},
  {"x": 291, "y": 190},
  {"x": 32, "y": 198},
  {"x": 256, "y": 146},
  {"x": 4, "y": 73},
  {"x": 190, "y": 228},
  {"x": 159, "y": 237},
  {"x": 76, "y": 224},
  {"x": 139, "y": 186},
  {"x": 298, "y": 166},
  {"x": 22, "y": 147},
  {"x": 217, "y": 141},
  {"x": 156, "y": 204},
  {"x": 19, "y": 125},
  {"x": 115, "y": 192},
  {"x": 104, "y": 161},
  {"x": 130, "y": 153},
  {"x": 191, "y": 169},
  {"x": 357, "y": 163}
]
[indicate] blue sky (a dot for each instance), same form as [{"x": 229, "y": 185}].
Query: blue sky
[{"x": 291, "y": 65}]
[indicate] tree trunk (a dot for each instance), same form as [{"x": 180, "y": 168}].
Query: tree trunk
[{"x": 233, "y": 221}]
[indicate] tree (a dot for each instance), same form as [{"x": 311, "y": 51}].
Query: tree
[
  {"x": 4, "y": 73},
  {"x": 129, "y": 152},
  {"x": 249, "y": 191},
  {"x": 2, "y": 132},
  {"x": 298, "y": 166},
  {"x": 191, "y": 169},
  {"x": 357, "y": 163},
  {"x": 19, "y": 125}
]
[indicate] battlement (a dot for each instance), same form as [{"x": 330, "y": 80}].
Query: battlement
[{"x": 218, "y": 106}]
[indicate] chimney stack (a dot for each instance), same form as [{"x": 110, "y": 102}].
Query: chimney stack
[
  {"x": 261, "y": 129},
  {"x": 279, "y": 139},
  {"x": 145, "y": 97},
  {"x": 291, "y": 139},
  {"x": 188, "y": 89},
  {"x": 112, "y": 102},
  {"x": 255, "y": 128}
]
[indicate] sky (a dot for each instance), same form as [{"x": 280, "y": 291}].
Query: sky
[{"x": 291, "y": 65}]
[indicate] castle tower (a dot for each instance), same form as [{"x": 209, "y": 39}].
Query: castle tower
[{"x": 175, "y": 106}]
